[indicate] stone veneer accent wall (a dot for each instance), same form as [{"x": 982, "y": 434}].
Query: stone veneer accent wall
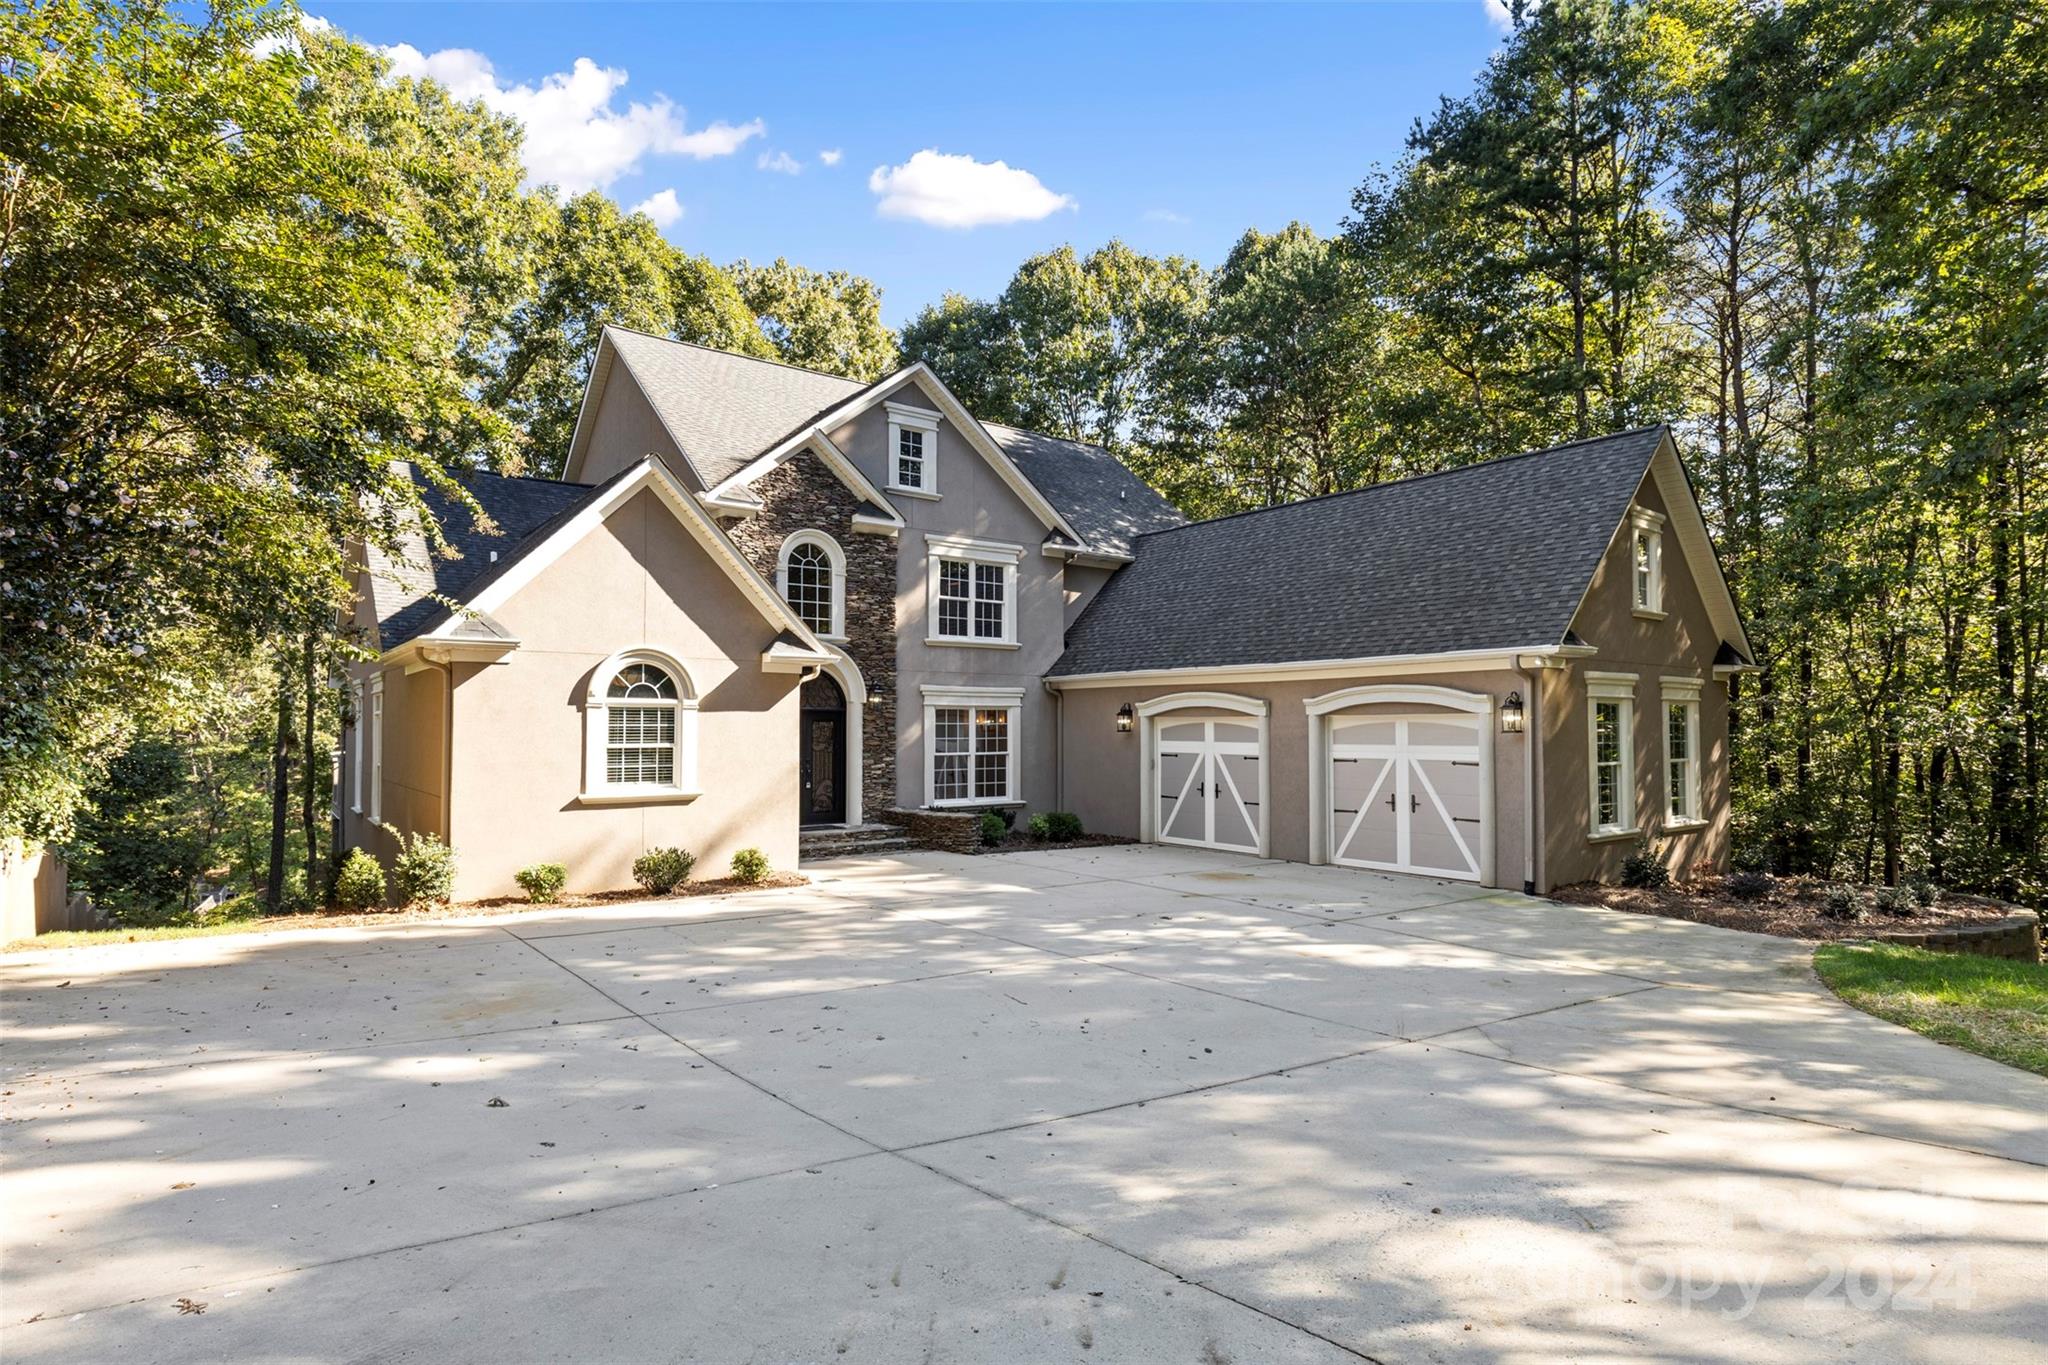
[{"x": 803, "y": 495}]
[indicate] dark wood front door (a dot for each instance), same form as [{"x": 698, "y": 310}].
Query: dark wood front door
[{"x": 822, "y": 762}]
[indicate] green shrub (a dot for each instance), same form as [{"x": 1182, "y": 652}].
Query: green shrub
[
  {"x": 1062, "y": 825},
  {"x": 662, "y": 870},
  {"x": 1841, "y": 902},
  {"x": 1751, "y": 858},
  {"x": 1039, "y": 826},
  {"x": 295, "y": 899},
  {"x": 1896, "y": 901},
  {"x": 1644, "y": 869},
  {"x": 424, "y": 869},
  {"x": 1748, "y": 884},
  {"x": 359, "y": 885},
  {"x": 749, "y": 865},
  {"x": 993, "y": 828},
  {"x": 543, "y": 882},
  {"x": 1925, "y": 892}
]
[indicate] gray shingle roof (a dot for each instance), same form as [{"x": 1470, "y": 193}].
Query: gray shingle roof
[
  {"x": 725, "y": 409},
  {"x": 1488, "y": 556},
  {"x": 1092, "y": 489},
  {"x": 402, "y": 586}
]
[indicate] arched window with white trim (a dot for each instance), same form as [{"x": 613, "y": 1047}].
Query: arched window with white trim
[
  {"x": 810, "y": 573},
  {"x": 640, "y": 730}
]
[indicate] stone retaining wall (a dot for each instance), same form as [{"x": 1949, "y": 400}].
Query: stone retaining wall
[
  {"x": 2017, "y": 937},
  {"x": 948, "y": 831}
]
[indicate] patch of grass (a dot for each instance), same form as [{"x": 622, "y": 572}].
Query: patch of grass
[{"x": 1994, "y": 1008}]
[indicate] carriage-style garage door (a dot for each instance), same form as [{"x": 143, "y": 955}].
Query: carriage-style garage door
[
  {"x": 1207, "y": 783},
  {"x": 1406, "y": 793}
]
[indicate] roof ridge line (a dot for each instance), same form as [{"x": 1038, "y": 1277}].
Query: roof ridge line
[
  {"x": 1405, "y": 479},
  {"x": 741, "y": 355}
]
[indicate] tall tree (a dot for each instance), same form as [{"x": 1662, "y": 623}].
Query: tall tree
[{"x": 822, "y": 320}]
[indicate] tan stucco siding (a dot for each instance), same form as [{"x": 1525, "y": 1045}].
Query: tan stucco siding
[
  {"x": 414, "y": 795},
  {"x": 1103, "y": 767},
  {"x": 623, "y": 429},
  {"x": 973, "y": 501},
  {"x": 1682, "y": 645},
  {"x": 518, "y": 751}
]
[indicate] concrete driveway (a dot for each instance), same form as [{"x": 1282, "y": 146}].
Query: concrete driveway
[{"x": 1134, "y": 1104}]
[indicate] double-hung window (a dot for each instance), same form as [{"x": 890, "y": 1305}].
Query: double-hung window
[
  {"x": 1682, "y": 751},
  {"x": 640, "y": 731},
  {"x": 971, "y": 744},
  {"x": 972, "y": 592},
  {"x": 913, "y": 450},
  {"x": 1646, "y": 562},
  {"x": 1610, "y": 753}
]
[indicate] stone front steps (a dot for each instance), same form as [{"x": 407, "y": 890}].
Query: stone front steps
[{"x": 838, "y": 841}]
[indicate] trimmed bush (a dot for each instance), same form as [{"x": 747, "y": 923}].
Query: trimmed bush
[
  {"x": 749, "y": 865},
  {"x": 993, "y": 829},
  {"x": 424, "y": 869},
  {"x": 1038, "y": 826},
  {"x": 543, "y": 882},
  {"x": 1750, "y": 884},
  {"x": 1925, "y": 892},
  {"x": 360, "y": 883},
  {"x": 1062, "y": 825},
  {"x": 1645, "y": 870},
  {"x": 1896, "y": 901},
  {"x": 1841, "y": 902},
  {"x": 662, "y": 870}
]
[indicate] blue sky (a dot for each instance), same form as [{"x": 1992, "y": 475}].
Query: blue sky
[{"x": 1173, "y": 127}]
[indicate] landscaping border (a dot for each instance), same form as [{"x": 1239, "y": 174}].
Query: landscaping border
[{"x": 2016, "y": 937}]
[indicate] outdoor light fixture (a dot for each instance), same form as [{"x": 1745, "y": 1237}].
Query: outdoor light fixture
[
  {"x": 1511, "y": 714},
  {"x": 1124, "y": 716}
]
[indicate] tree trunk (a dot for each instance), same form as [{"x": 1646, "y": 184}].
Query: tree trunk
[
  {"x": 280, "y": 790},
  {"x": 309, "y": 777}
]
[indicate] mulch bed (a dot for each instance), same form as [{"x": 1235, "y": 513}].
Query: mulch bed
[
  {"x": 713, "y": 886},
  {"x": 1020, "y": 842},
  {"x": 1791, "y": 910}
]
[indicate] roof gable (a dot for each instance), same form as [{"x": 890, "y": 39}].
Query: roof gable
[
  {"x": 1492, "y": 556},
  {"x": 489, "y": 591}
]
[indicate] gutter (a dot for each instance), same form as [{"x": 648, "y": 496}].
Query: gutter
[{"x": 1532, "y": 741}]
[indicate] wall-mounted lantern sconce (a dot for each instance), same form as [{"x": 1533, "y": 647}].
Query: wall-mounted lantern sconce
[
  {"x": 1124, "y": 718},
  {"x": 1511, "y": 714}
]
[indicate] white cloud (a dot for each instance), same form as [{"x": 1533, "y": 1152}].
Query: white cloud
[
  {"x": 1166, "y": 216},
  {"x": 279, "y": 42},
  {"x": 830, "y": 156},
  {"x": 575, "y": 138},
  {"x": 661, "y": 207},
  {"x": 781, "y": 163},
  {"x": 960, "y": 192},
  {"x": 1498, "y": 14}
]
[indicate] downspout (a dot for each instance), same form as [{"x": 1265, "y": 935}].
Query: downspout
[{"x": 1532, "y": 739}]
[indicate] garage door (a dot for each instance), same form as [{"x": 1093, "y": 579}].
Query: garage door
[
  {"x": 1208, "y": 783},
  {"x": 1405, "y": 794}
]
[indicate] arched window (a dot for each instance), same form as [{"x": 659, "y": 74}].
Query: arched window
[
  {"x": 640, "y": 739},
  {"x": 811, "y": 574}
]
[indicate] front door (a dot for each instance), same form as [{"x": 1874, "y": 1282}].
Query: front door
[
  {"x": 1406, "y": 794},
  {"x": 821, "y": 763},
  {"x": 1208, "y": 784}
]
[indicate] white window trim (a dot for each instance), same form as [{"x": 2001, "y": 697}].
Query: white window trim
[
  {"x": 596, "y": 790},
  {"x": 903, "y": 417},
  {"x": 1683, "y": 692},
  {"x": 355, "y": 745},
  {"x": 377, "y": 749},
  {"x": 1010, "y": 699},
  {"x": 939, "y": 548},
  {"x": 1621, "y": 688},
  {"x": 837, "y": 633},
  {"x": 1647, "y": 528}
]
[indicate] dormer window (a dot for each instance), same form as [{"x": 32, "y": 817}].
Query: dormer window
[
  {"x": 913, "y": 451},
  {"x": 1646, "y": 562}
]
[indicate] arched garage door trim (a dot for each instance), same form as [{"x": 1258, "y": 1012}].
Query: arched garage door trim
[
  {"x": 1413, "y": 694},
  {"x": 1261, "y": 712}
]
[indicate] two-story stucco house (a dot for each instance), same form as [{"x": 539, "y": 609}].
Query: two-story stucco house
[{"x": 766, "y": 599}]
